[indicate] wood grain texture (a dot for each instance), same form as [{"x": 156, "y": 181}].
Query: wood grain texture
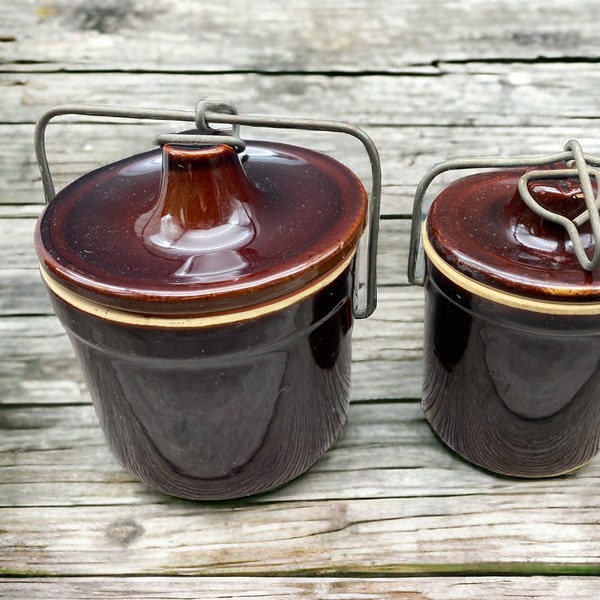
[
  {"x": 309, "y": 36},
  {"x": 476, "y": 93},
  {"x": 386, "y": 451},
  {"x": 387, "y": 499},
  {"x": 427, "y": 81},
  {"x": 284, "y": 588}
]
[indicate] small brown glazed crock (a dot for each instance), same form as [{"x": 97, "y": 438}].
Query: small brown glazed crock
[
  {"x": 209, "y": 296},
  {"x": 512, "y": 316}
]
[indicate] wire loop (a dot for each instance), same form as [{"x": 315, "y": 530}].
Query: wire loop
[
  {"x": 584, "y": 168},
  {"x": 211, "y": 111}
]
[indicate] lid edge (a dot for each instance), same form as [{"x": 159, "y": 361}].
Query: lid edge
[{"x": 482, "y": 290}]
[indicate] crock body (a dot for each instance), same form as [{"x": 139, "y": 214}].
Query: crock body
[
  {"x": 223, "y": 411},
  {"x": 512, "y": 391}
]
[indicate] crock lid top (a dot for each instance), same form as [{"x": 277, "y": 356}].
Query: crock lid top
[
  {"x": 481, "y": 226},
  {"x": 202, "y": 229}
]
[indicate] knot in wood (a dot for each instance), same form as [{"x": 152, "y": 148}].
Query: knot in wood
[{"x": 124, "y": 531}]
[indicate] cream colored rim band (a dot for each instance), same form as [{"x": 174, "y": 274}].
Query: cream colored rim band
[
  {"x": 506, "y": 298},
  {"x": 128, "y": 318}
]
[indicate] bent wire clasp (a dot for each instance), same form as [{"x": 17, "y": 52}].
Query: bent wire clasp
[{"x": 584, "y": 169}]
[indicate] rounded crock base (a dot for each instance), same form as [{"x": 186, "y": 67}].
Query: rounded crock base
[
  {"x": 221, "y": 412},
  {"x": 511, "y": 398},
  {"x": 495, "y": 472}
]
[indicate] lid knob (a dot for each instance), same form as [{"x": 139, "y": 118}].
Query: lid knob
[{"x": 202, "y": 214}]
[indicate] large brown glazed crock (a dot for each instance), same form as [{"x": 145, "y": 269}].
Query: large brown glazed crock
[{"x": 209, "y": 298}]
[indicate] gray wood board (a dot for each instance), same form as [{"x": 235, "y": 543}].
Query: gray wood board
[
  {"x": 285, "y": 588},
  {"x": 305, "y": 36},
  {"x": 387, "y": 499}
]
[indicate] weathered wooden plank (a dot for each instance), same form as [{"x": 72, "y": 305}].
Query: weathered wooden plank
[
  {"x": 56, "y": 456},
  {"x": 465, "y": 95},
  {"x": 467, "y": 535},
  {"x": 280, "y": 588},
  {"x": 37, "y": 364},
  {"x": 22, "y": 293},
  {"x": 16, "y": 243},
  {"x": 387, "y": 499},
  {"x": 308, "y": 36},
  {"x": 406, "y": 153}
]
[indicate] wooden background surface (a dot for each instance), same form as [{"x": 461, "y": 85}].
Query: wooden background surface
[{"x": 428, "y": 81}]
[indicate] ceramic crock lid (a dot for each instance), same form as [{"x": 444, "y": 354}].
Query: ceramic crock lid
[
  {"x": 202, "y": 229},
  {"x": 506, "y": 229}
]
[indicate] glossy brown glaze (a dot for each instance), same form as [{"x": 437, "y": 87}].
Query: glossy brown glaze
[
  {"x": 514, "y": 392},
  {"x": 203, "y": 216},
  {"x": 209, "y": 300},
  {"x": 221, "y": 412},
  {"x": 513, "y": 387},
  {"x": 223, "y": 232},
  {"x": 481, "y": 226}
]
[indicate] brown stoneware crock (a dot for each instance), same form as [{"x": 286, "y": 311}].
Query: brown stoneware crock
[
  {"x": 512, "y": 313},
  {"x": 209, "y": 294}
]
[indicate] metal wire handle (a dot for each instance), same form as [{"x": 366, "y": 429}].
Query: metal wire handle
[
  {"x": 572, "y": 152},
  {"x": 210, "y": 111}
]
